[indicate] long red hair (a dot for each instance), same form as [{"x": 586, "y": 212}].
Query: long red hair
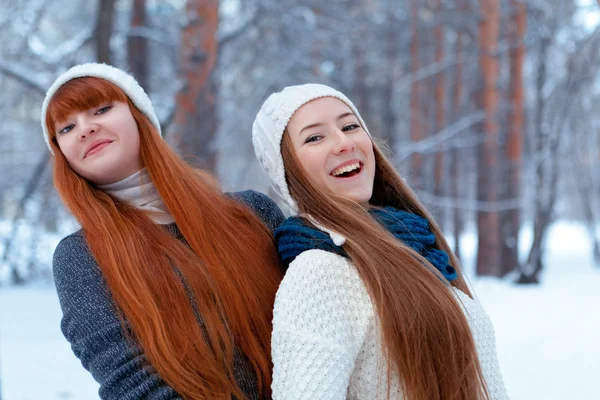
[
  {"x": 227, "y": 277},
  {"x": 425, "y": 335}
]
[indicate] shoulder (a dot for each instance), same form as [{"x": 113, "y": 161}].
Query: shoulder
[
  {"x": 295, "y": 236},
  {"x": 329, "y": 277},
  {"x": 323, "y": 292},
  {"x": 71, "y": 247},
  {"x": 322, "y": 269},
  {"x": 73, "y": 264},
  {"x": 261, "y": 205}
]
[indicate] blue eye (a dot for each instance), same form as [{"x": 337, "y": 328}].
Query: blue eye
[
  {"x": 350, "y": 127},
  {"x": 313, "y": 138},
  {"x": 66, "y": 129},
  {"x": 103, "y": 110}
]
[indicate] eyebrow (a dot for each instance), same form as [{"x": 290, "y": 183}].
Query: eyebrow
[{"x": 344, "y": 115}]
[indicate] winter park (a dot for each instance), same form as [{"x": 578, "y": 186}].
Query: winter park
[{"x": 429, "y": 202}]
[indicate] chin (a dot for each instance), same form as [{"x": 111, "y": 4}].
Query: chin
[{"x": 360, "y": 199}]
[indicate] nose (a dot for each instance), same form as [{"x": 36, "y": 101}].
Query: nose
[
  {"x": 88, "y": 128},
  {"x": 344, "y": 143}
]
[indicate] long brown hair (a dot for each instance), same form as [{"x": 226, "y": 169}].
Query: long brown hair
[
  {"x": 426, "y": 337},
  {"x": 230, "y": 268}
]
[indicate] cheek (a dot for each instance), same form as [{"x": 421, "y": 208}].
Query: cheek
[
  {"x": 68, "y": 149},
  {"x": 131, "y": 137},
  {"x": 312, "y": 162},
  {"x": 134, "y": 142},
  {"x": 363, "y": 142},
  {"x": 366, "y": 147}
]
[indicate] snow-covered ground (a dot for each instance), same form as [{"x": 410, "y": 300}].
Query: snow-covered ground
[{"x": 546, "y": 334}]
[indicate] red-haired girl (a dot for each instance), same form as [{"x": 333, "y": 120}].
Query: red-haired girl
[{"x": 167, "y": 290}]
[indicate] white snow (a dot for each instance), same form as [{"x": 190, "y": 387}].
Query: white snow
[
  {"x": 546, "y": 334},
  {"x": 36, "y": 360}
]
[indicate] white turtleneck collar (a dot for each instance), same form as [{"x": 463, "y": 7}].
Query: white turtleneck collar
[{"x": 139, "y": 191}]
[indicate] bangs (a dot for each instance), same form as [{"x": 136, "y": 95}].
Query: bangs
[{"x": 80, "y": 94}]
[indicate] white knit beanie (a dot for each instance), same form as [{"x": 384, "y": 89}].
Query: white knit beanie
[
  {"x": 122, "y": 79},
  {"x": 270, "y": 124}
]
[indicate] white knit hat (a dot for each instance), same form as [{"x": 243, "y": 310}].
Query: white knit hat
[
  {"x": 269, "y": 125},
  {"x": 122, "y": 79}
]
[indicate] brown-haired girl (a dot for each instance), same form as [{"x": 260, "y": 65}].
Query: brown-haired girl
[
  {"x": 373, "y": 304},
  {"x": 167, "y": 290}
]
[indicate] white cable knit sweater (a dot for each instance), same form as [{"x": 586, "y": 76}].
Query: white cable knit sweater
[{"x": 326, "y": 340}]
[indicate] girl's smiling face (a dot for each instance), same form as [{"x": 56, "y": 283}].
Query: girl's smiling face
[
  {"x": 102, "y": 143},
  {"x": 334, "y": 150}
]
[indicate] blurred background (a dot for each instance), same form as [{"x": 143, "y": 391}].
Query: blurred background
[{"x": 488, "y": 106}]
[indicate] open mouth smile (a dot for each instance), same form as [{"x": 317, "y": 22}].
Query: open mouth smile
[{"x": 348, "y": 171}]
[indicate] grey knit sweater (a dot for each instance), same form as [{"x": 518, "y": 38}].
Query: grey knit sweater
[{"x": 91, "y": 324}]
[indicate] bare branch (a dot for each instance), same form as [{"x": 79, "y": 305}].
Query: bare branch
[
  {"x": 224, "y": 38},
  {"x": 152, "y": 35},
  {"x": 55, "y": 55},
  {"x": 24, "y": 75},
  {"x": 465, "y": 204},
  {"x": 435, "y": 68},
  {"x": 8, "y": 13},
  {"x": 445, "y": 134}
]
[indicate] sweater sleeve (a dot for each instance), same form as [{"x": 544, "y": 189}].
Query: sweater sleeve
[
  {"x": 91, "y": 325},
  {"x": 321, "y": 316}
]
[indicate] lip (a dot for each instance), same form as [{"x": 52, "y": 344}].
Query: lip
[
  {"x": 349, "y": 162},
  {"x": 96, "y": 146}
]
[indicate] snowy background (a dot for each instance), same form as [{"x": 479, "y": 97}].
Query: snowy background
[
  {"x": 418, "y": 70},
  {"x": 547, "y": 334}
]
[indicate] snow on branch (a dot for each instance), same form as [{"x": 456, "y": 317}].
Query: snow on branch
[
  {"x": 152, "y": 35},
  {"x": 437, "y": 139},
  {"x": 437, "y": 67},
  {"x": 56, "y": 54},
  {"x": 225, "y": 37},
  {"x": 24, "y": 75},
  {"x": 466, "y": 204}
]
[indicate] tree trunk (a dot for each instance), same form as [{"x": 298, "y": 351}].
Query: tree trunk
[
  {"x": 137, "y": 46},
  {"x": 488, "y": 223},
  {"x": 389, "y": 112},
  {"x": 440, "y": 101},
  {"x": 547, "y": 142},
  {"x": 416, "y": 127},
  {"x": 534, "y": 259},
  {"x": 455, "y": 156},
  {"x": 584, "y": 181},
  {"x": 104, "y": 23},
  {"x": 511, "y": 219},
  {"x": 360, "y": 86},
  {"x": 195, "y": 120},
  {"x": 427, "y": 114}
]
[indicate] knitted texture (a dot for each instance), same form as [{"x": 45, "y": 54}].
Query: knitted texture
[
  {"x": 271, "y": 122},
  {"x": 123, "y": 80},
  {"x": 326, "y": 335},
  {"x": 91, "y": 324},
  {"x": 295, "y": 236}
]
